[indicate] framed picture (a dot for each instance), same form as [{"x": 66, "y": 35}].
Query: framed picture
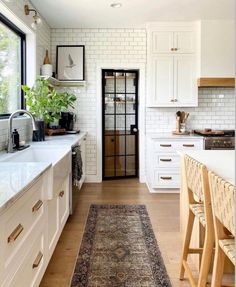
[{"x": 70, "y": 63}]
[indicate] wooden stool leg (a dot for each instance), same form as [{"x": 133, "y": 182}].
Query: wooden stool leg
[
  {"x": 218, "y": 268},
  {"x": 206, "y": 259},
  {"x": 186, "y": 242}
]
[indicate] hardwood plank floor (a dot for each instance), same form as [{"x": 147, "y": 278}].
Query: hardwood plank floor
[{"x": 163, "y": 210}]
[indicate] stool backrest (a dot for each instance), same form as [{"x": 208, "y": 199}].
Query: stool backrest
[
  {"x": 223, "y": 201},
  {"x": 194, "y": 177}
]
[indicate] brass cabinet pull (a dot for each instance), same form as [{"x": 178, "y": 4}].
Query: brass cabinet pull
[
  {"x": 15, "y": 233},
  {"x": 172, "y": 100},
  {"x": 61, "y": 193},
  {"x": 166, "y": 177},
  {"x": 176, "y": 49},
  {"x": 188, "y": 145},
  {"x": 37, "y": 260},
  {"x": 172, "y": 49},
  {"x": 175, "y": 100},
  {"x": 165, "y": 159},
  {"x": 37, "y": 205},
  {"x": 165, "y": 145}
]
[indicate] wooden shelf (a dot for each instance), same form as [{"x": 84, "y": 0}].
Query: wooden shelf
[
  {"x": 56, "y": 82},
  {"x": 216, "y": 82}
]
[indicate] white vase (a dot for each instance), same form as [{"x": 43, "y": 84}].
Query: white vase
[{"x": 47, "y": 70}]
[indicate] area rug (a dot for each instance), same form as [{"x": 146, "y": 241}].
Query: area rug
[{"x": 119, "y": 249}]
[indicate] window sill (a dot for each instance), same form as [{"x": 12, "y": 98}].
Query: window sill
[{"x": 4, "y": 121}]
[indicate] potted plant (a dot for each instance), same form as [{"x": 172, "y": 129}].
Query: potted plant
[{"x": 46, "y": 104}]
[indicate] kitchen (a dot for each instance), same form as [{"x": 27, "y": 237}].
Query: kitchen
[{"x": 129, "y": 96}]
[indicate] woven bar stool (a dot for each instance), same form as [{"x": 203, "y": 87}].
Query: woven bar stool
[
  {"x": 200, "y": 209},
  {"x": 223, "y": 204}
]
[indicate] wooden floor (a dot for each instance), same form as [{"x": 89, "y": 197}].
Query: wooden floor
[{"x": 163, "y": 210}]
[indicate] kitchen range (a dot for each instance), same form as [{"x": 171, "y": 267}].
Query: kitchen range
[{"x": 217, "y": 140}]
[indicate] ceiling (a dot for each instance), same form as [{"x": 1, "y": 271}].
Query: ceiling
[{"x": 133, "y": 13}]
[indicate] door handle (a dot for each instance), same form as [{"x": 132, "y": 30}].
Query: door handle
[{"x": 135, "y": 130}]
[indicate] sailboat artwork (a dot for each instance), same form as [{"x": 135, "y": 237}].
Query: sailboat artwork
[{"x": 70, "y": 63}]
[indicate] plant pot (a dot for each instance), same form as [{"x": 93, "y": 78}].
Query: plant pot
[
  {"x": 39, "y": 134},
  {"x": 54, "y": 125}
]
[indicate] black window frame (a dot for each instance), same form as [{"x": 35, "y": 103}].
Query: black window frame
[{"x": 22, "y": 36}]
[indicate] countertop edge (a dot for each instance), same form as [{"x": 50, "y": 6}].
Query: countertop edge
[{"x": 6, "y": 205}]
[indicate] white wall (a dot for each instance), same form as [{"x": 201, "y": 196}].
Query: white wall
[
  {"x": 217, "y": 48},
  {"x": 111, "y": 46}
]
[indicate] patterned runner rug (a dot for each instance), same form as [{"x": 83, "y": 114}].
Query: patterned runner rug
[{"x": 119, "y": 249}]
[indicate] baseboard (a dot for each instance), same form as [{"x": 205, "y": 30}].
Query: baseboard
[{"x": 90, "y": 178}]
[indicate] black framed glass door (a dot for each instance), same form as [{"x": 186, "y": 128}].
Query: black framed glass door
[{"x": 120, "y": 123}]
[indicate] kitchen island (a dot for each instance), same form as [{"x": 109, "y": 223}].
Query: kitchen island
[{"x": 222, "y": 163}]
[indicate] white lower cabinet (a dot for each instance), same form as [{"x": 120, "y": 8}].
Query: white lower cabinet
[
  {"x": 163, "y": 161},
  {"x": 30, "y": 230}
]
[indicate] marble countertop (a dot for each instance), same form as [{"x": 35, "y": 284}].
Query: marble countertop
[
  {"x": 221, "y": 162},
  {"x": 168, "y": 135},
  {"x": 69, "y": 139},
  {"x": 17, "y": 177}
]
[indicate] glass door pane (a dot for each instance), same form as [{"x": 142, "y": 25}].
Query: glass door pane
[{"x": 120, "y": 133}]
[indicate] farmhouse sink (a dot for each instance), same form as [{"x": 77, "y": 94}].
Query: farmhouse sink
[{"x": 58, "y": 156}]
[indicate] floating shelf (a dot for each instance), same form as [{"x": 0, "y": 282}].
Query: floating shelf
[
  {"x": 216, "y": 82},
  {"x": 57, "y": 82}
]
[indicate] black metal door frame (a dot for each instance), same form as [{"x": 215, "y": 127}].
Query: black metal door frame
[{"x": 136, "y": 72}]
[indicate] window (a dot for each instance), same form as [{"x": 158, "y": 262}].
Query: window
[{"x": 12, "y": 67}]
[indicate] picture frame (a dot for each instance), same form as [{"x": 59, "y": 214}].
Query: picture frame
[{"x": 70, "y": 61}]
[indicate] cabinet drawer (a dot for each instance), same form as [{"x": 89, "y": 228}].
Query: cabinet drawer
[
  {"x": 31, "y": 270},
  {"x": 162, "y": 160},
  {"x": 19, "y": 222},
  {"x": 173, "y": 146},
  {"x": 165, "y": 146},
  {"x": 189, "y": 145},
  {"x": 166, "y": 179}
]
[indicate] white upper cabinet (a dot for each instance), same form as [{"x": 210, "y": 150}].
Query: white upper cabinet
[
  {"x": 162, "y": 42},
  {"x": 173, "y": 42},
  {"x": 162, "y": 79},
  {"x": 172, "y": 65},
  {"x": 184, "y": 42},
  {"x": 185, "y": 84}
]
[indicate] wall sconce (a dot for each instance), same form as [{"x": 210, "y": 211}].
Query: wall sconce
[{"x": 37, "y": 21}]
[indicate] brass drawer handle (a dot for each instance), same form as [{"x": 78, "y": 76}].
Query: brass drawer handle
[
  {"x": 37, "y": 205},
  {"x": 166, "y": 177},
  {"x": 165, "y": 145},
  {"x": 172, "y": 49},
  {"x": 16, "y": 232},
  {"x": 37, "y": 260},
  {"x": 188, "y": 145},
  {"x": 165, "y": 159},
  {"x": 61, "y": 193}
]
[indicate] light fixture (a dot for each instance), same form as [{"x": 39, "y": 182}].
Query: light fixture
[
  {"x": 37, "y": 21},
  {"x": 116, "y": 5}
]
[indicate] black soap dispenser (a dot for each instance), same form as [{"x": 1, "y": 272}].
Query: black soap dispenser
[{"x": 16, "y": 139}]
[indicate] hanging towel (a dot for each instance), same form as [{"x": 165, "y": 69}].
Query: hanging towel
[{"x": 77, "y": 165}]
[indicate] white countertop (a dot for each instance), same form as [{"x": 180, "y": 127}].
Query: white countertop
[
  {"x": 16, "y": 177},
  {"x": 69, "y": 139},
  {"x": 221, "y": 162},
  {"x": 168, "y": 135}
]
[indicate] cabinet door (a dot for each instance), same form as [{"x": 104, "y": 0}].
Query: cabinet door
[
  {"x": 185, "y": 81},
  {"x": 161, "y": 81},
  {"x": 162, "y": 42},
  {"x": 184, "y": 42}
]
